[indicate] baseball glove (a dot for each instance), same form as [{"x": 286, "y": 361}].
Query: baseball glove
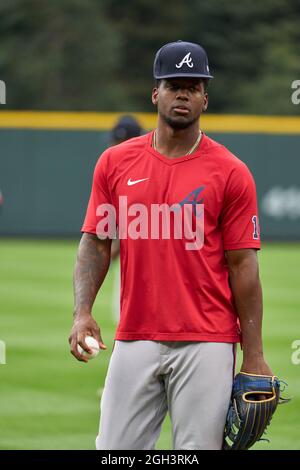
[{"x": 254, "y": 400}]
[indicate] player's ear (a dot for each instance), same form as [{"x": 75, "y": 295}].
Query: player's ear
[
  {"x": 205, "y": 103},
  {"x": 155, "y": 96}
]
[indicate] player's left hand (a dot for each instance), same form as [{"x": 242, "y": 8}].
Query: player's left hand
[{"x": 256, "y": 365}]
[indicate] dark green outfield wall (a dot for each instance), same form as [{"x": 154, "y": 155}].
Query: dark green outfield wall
[
  {"x": 45, "y": 178},
  {"x": 275, "y": 163}
]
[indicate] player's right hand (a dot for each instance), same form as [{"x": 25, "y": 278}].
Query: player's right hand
[{"x": 84, "y": 326}]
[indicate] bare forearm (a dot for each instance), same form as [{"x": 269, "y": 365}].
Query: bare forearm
[
  {"x": 247, "y": 293},
  {"x": 91, "y": 267}
]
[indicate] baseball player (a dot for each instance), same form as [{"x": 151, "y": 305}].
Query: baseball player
[{"x": 189, "y": 291}]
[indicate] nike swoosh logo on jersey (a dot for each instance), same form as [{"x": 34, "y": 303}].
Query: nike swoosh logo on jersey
[{"x": 130, "y": 183}]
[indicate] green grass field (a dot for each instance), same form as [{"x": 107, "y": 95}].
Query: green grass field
[{"x": 50, "y": 401}]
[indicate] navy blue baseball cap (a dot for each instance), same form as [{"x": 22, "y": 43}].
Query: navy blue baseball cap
[{"x": 181, "y": 59}]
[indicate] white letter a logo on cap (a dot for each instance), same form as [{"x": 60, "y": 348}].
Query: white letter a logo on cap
[{"x": 186, "y": 60}]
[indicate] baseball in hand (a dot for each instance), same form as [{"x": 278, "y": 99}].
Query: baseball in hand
[{"x": 92, "y": 344}]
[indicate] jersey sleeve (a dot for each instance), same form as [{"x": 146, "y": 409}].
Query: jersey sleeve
[
  {"x": 239, "y": 218},
  {"x": 99, "y": 195}
]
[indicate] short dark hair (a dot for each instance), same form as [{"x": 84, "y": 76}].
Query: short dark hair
[{"x": 205, "y": 82}]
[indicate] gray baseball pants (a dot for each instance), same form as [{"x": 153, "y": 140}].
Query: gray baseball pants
[{"x": 145, "y": 379}]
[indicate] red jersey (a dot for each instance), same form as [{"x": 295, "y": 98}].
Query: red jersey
[{"x": 170, "y": 291}]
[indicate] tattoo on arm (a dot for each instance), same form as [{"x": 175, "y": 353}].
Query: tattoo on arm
[{"x": 91, "y": 267}]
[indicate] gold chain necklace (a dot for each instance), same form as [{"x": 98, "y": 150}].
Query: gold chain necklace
[{"x": 194, "y": 147}]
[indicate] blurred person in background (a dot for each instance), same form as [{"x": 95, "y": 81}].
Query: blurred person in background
[
  {"x": 126, "y": 128},
  {"x": 1, "y": 199}
]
